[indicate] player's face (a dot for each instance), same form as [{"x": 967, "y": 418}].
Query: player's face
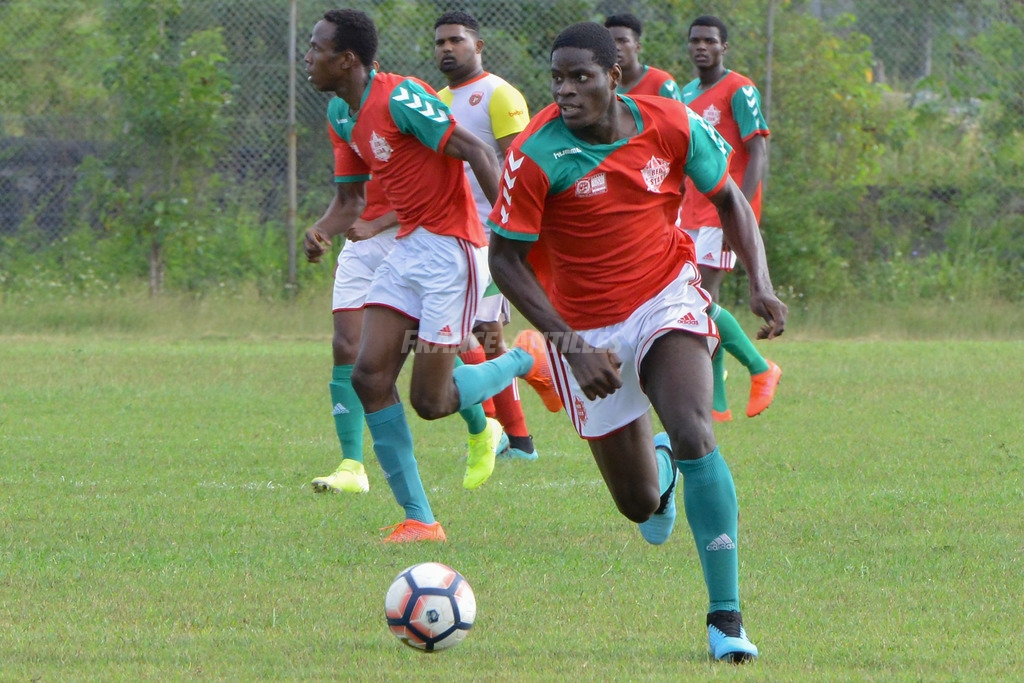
[
  {"x": 322, "y": 62},
  {"x": 706, "y": 47},
  {"x": 627, "y": 47},
  {"x": 583, "y": 90},
  {"x": 457, "y": 51}
]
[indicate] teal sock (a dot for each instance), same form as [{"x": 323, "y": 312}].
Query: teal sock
[
  {"x": 392, "y": 442},
  {"x": 477, "y": 383},
  {"x": 719, "y": 400},
  {"x": 736, "y": 341},
  {"x": 473, "y": 414},
  {"x": 709, "y": 498},
  {"x": 348, "y": 413}
]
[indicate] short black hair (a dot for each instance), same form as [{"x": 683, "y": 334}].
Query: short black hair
[
  {"x": 626, "y": 21},
  {"x": 588, "y": 35},
  {"x": 713, "y": 22},
  {"x": 355, "y": 31},
  {"x": 458, "y": 18}
]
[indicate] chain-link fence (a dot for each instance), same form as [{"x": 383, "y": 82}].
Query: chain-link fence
[{"x": 60, "y": 61}]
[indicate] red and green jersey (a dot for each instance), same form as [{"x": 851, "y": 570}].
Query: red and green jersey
[
  {"x": 603, "y": 216},
  {"x": 655, "y": 82},
  {"x": 397, "y": 136},
  {"x": 376, "y": 202},
  {"x": 733, "y": 107}
]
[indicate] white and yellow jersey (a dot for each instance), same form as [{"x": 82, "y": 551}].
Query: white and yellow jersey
[{"x": 491, "y": 109}]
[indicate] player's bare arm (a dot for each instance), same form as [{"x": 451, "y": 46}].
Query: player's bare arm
[
  {"x": 344, "y": 210},
  {"x": 596, "y": 369},
  {"x": 740, "y": 228},
  {"x": 757, "y": 147},
  {"x": 465, "y": 146},
  {"x": 364, "y": 230}
]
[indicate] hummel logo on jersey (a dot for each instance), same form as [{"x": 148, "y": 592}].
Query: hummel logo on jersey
[
  {"x": 712, "y": 115},
  {"x": 592, "y": 186},
  {"x": 511, "y": 164},
  {"x": 339, "y": 410},
  {"x": 688, "y": 319},
  {"x": 715, "y": 137},
  {"x": 381, "y": 149},
  {"x": 748, "y": 92},
  {"x": 572, "y": 150},
  {"x": 723, "y": 542},
  {"x": 418, "y": 104},
  {"x": 445, "y": 331}
]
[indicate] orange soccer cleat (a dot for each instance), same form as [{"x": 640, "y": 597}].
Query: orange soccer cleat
[
  {"x": 539, "y": 376},
  {"x": 762, "y": 389},
  {"x": 411, "y": 531}
]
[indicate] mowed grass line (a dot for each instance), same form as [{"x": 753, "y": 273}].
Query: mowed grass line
[{"x": 157, "y": 523}]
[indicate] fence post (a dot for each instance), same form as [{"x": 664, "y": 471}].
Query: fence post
[{"x": 293, "y": 193}]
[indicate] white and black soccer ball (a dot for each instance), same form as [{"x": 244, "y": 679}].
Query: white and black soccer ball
[{"x": 430, "y": 607}]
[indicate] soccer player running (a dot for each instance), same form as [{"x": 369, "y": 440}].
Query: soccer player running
[
  {"x": 367, "y": 242},
  {"x": 495, "y": 112},
  {"x": 731, "y": 103},
  {"x": 583, "y": 243},
  {"x": 637, "y": 78},
  {"x": 425, "y": 292}
]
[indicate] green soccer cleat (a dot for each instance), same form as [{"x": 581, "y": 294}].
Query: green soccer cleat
[
  {"x": 480, "y": 460},
  {"x": 350, "y": 477}
]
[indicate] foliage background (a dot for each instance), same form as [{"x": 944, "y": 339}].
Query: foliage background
[{"x": 146, "y": 141}]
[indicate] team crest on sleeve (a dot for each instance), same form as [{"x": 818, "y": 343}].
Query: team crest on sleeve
[
  {"x": 592, "y": 186},
  {"x": 712, "y": 115},
  {"x": 381, "y": 149},
  {"x": 654, "y": 173}
]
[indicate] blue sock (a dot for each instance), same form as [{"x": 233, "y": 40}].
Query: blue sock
[
  {"x": 476, "y": 383},
  {"x": 474, "y": 415},
  {"x": 348, "y": 413},
  {"x": 709, "y": 497},
  {"x": 392, "y": 442}
]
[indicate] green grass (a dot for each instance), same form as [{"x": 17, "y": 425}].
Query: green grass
[{"x": 156, "y": 519}]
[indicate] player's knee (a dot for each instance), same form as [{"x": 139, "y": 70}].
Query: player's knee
[
  {"x": 345, "y": 350},
  {"x": 692, "y": 441},
  {"x": 639, "y": 503},
  {"x": 428, "y": 405},
  {"x": 367, "y": 385}
]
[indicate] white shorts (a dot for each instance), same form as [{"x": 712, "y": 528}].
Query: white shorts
[
  {"x": 494, "y": 309},
  {"x": 707, "y": 243},
  {"x": 682, "y": 305},
  {"x": 435, "y": 279},
  {"x": 357, "y": 263}
]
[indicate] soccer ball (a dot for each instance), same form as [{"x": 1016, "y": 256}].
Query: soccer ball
[{"x": 430, "y": 607}]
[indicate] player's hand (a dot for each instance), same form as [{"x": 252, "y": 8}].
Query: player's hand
[
  {"x": 773, "y": 311},
  {"x": 361, "y": 230},
  {"x": 315, "y": 245},
  {"x": 597, "y": 370}
]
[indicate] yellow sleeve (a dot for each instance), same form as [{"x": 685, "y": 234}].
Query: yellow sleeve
[
  {"x": 445, "y": 95},
  {"x": 509, "y": 113}
]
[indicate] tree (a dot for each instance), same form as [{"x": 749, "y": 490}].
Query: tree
[{"x": 169, "y": 92}]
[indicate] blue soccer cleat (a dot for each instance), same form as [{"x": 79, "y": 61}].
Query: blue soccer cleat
[
  {"x": 658, "y": 528},
  {"x": 727, "y": 640}
]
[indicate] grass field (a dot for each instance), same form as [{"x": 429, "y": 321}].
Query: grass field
[{"x": 158, "y": 524}]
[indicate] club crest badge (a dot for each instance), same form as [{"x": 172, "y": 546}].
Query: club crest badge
[
  {"x": 381, "y": 149},
  {"x": 654, "y": 173}
]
